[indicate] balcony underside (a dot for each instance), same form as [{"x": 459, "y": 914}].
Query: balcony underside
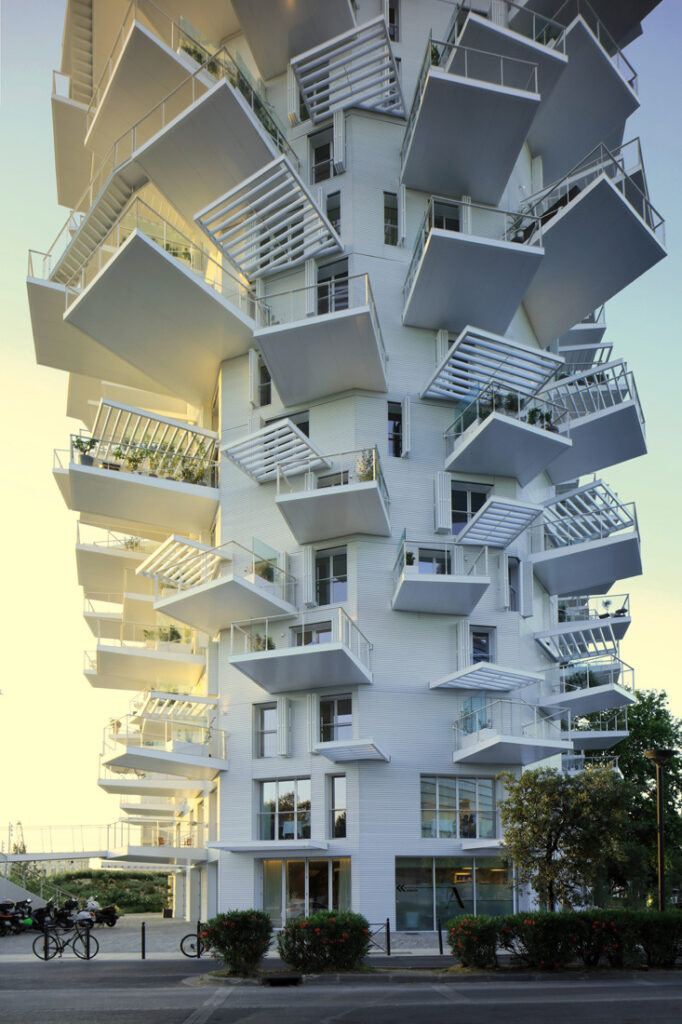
[
  {"x": 590, "y": 699},
  {"x": 621, "y": 20},
  {"x": 169, "y": 762},
  {"x": 486, "y": 675},
  {"x": 599, "y": 244},
  {"x": 72, "y": 161},
  {"x": 323, "y": 355},
  {"x": 154, "y": 312},
  {"x": 213, "y": 606},
  {"x": 597, "y": 739},
  {"x": 467, "y": 279},
  {"x": 591, "y": 101},
  {"x": 343, "y": 751},
  {"x": 487, "y": 126},
  {"x": 146, "y": 71},
  {"x": 517, "y": 750},
  {"x": 136, "y": 668},
  {"x": 102, "y": 570},
  {"x": 103, "y": 625},
  {"x": 587, "y": 336},
  {"x": 601, "y": 439},
  {"x": 149, "y": 786},
  {"x": 302, "y": 668},
  {"x": 62, "y": 346},
  {"x": 502, "y": 446},
  {"x": 292, "y": 28},
  {"x": 335, "y": 512},
  {"x": 166, "y": 504},
  {"x": 590, "y": 567},
  {"x": 159, "y": 854},
  {"x": 154, "y": 809},
  {"x": 439, "y": 595}
]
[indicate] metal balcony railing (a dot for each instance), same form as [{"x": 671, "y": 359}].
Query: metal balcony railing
[
  {"x": 538, "y": 27},
  {"x": 155, "y": 637},
  {"x": 160, "y": 460},
  {"x": 537, "y": 411},
  {"x": 103, "y": 604},
  {"x": 340, "y": 470},
  {"x": 586, "y": 608},
  {"x": 314, "y": 628},
  {"x": 156, "y": 834},
  {"x": 111, "y": 540},
  {"x": 506, "y": 718},
  {"x": 600, "y": 722},
  {"x": 466, "y": 218},
  {"x": 582, "y": 527},
  {"x": 607, "y": 387},
  {"x": 163, "y": 734},
  {"x": 439, "y": 558},
  {"x": 474, "y": 65},
  {"x": 587, "y": 673},
  {"x": 568, "y": 10},
  {"x": 582, "y": 762}
]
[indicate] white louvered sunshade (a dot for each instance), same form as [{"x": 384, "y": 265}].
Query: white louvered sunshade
[
  {"x": 478, "y": 358},
  {"x": 117, "y": 424},
  {"x": 269, "y": 222},
  {"x": 355, "y": 69},
  {"x": 591, "y": 512},
  {"x": 485, "y": 675},
  {"x": 498, "y": 523},
  {"x": 278, "y": 444},
  {"x": 181, "y": 561},
  {"x": 573, "y": 641}
]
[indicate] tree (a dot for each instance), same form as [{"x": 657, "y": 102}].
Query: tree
[{"x": 559, "y": 829}]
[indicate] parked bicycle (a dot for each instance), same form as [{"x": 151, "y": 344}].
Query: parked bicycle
[
  {"x": 194, "y": 945},
  {"x": 51, "y": 944}
]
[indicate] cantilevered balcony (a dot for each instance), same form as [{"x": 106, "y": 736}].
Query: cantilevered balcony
[
  {"x": 599, "y": 731},
  {"x": 170, "y": 744},
  {"x": 169, "y": 485},
  {"x": 604, "y": 418},
  {"x": 72, "y": 162},
  {"x": 160, "y": 807},
  {"x": 587, "y": 540},
  {"x": 508, "y": 732},
  {"x": 157, "y": 657},
  {"x": 439, "y": 578},
  {"x": 344, "y": 495},
  {"x": 507, "y": 434},
  {"x": 322, "y": 340},
  {"x": 149, "y": 291},
  {"x": 574, "y": 763},
  {"x": 613, "y": 610},
  {"x": 210, "y": 588},
  {"x": 355, "y": 69},
  {"x": 131, "y": 783},
  {"x": 488, "y": 102},
  {"x": 587, "y": 334},
  {"x": 288, "y": 653},
  {"x": 587, "y": 627},
  {"x": 103, "y": 557},
  {"x": 599, "y": 232},
  {"x": 103, "y": 614},
  {"x": 590, "y": 685},
  {"x": 276, "y": 32},
  {"x": 471, "y": 264},
  {"x": 157, "y": 842}
]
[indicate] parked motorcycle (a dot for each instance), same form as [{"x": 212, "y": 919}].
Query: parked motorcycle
[
  {"x": 107, "y": 915},
  {"x": 15, "y": 917}
]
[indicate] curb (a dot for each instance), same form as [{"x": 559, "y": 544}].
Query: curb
[{"x": 414, "y": 977}]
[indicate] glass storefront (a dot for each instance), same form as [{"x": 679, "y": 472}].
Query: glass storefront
[
  {"x": 303, "y": 886},
  {"x": 433, "y": 888}
]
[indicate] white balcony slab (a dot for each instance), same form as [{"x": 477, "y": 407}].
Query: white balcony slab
[
  {"x": 103, "y": 624},
  {"x": 600, "y": 439},
  {"x": 158, "y": 854},
  {"x": 500, "y": 445},
  {"x": 517, "y": 750},
  {"x": 154, "y": 808},
  {"x": 291, "y": 28},
  {"x": 599, "y": 244},
  {"x": 130, "y": 785},
  {"x": 591, "y": 699},
  {"x": 102, "y": 569},
  {"x": 178, "y": 761},
  {"x": 140, "y": 668},
  {"x": 591, "y": 101},
  {"x": 166, "y": 504},
  {"x": 590, "y": 567},
  {"x": 499, "y": 522},
  {"x": 597, "y": 739},
  {"x": 438, "y": 594},
  {"x": 268, "y": 847},
  {"x": 344, "y": 751},
  {"x": 487, "y": 127},
  {"x": 214, "y": 605},
  {"x": 323, "y": 355},
  {"x": 338, "y": 511},
  {"x": 469, "y": 279},
  {"x": 486, "y": 675},
  {"x": 586, "y": 334},
  {"x": 301, "y": 668},
  {"x": 188, "y": 328},
  {"x": 71, "y": 159}
]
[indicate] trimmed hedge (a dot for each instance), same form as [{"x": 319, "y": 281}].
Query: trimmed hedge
[
  {"x": 326, "y": 941},
  {"x": 546, "y": 941},
  {"x": 240, "y": 938}
]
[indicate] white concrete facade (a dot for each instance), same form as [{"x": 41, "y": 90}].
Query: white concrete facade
[{"x": 347, "y": 520}]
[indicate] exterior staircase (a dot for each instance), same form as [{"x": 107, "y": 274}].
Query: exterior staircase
[{"x": 81, "y": 50}]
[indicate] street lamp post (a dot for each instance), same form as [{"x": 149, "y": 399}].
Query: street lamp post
[{"x": 660, "y": 758}]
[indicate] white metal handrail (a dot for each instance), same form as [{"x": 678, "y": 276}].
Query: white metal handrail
[
  {"x": 536, "y": 410},
  {"x": 583, "y": 762},
  {"x": 155, "y": 637},
  {"x": 591, "y": 672},
  {"x": 157, "y": 834},
  {"x": 112, "y": 540},
  {"x": 341, "y": 469},
  {"x": 582, "y": 527},
  {"x": 507, "y": 718},
  {"x": 601, "y": 721},
  {"x": 583, "y": 608},
  {"x": 527, "y": 22},
  {"x": 313, "y": 628},
  {"x": 568, "y": 11},
  {"x": 450, "y": 559},
  {"x": 163, "y": 734},
  {"x": 150, "y": 460},
  {"x": 605, "y": 387}
]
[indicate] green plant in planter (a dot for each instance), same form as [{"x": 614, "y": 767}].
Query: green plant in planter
[
  {"x": 535, "y": 416},
  {"x": 84, "y": 444},
  {"x": 262, "y": 643},
  {"x": 512, "y": 403},
  {"x": 409, "y": 558},
  {"x": 132, "y": 543},
  {"x": 170, "y": 634},
  {"x": 135, "y": 457},
  {"x": 365, "y": 467},
  {"x": 265, "y": 570}
]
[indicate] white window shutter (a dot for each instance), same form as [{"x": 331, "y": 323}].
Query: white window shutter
[
  {"x": 292, "y": 96},
  {"x": 283, "y": 726},
  {"x": 498, "y": 13},
  {"x": 527, "y": 582},
  {"x": 254, "y": 375},
  {"x": 442, "y": 345},
  {"x": 339, "y": 141},
  {"x": 255, "y": 423},
  {"x": 310, "y": 282},
  {"x": 402, "y": 214},
  {"x": 442, "y": 504},
  {"x": 537, "y": 176},
  {"x": 407, "y": 428},
  {"x": 504, "y": 581},
  {"x": 308, "y": 595},
  {"x": 465, "y": 215},
  {"x": 313, "y": 723},
  {"x": 463, "y": 642}
]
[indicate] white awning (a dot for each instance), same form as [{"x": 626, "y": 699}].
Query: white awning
[{"x": 498, "y": 523}]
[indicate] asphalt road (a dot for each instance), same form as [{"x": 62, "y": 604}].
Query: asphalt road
[{"x": 69, "y": 992}]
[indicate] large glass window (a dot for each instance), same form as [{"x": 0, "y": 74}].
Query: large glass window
[
  {"x": 266, "y": 730},
  {"x": 322, "y": 156},
  {"x": 264, "y": 384},
  {"x": 460, "y": 808},
  {"x": 284, "y": 810},
  {"x": 315, "y": 633},
  {"x": 429, "y": 889},
  {"x": 434, "y": 561},
  {"x": 475, "y": 713},
  {"x": 336, "y": 718},
  {"x": 482, "y": 645},
  {"x": 395, "y": 429},
  {"x": 466, "y": 501},
  {"x": 293, "y": 888},
  {"x": 390, "y": 218},
  {"x": 414, "y": 893},
  {"x": 337, "y": 807},
  {"x": 334, "y": 211},
  {"x": 331, "y": 576},
  {"x": 332, "y": 287}
]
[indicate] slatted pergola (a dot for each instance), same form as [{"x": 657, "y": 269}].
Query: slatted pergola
[
  {"x": 485, "y": 675},
  {"x": 123, "y": 426},
  {"x": 280, "y": 444},
  {"x": 588, "y": 513},
  {"x": 499, "y": 522}
]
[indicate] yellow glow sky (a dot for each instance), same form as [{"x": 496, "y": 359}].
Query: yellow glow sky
[{"x": 52, "y": 719}]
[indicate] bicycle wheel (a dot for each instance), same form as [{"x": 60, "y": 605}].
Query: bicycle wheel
[
  {"x": 85, "y": 946},
  {"x": 191, "y": 946},
  {"x": 46, "y": 946}
]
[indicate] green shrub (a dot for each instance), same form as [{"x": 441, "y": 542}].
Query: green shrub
[
  {"x": 540, "y": 939},
  {"x": 132, "y": 891},
  {"x": 659, "y": 934},
  {"x": 473, "y": 940},
  {"x": 326, "y": 941},
  {"x": 240, "y": 938}
]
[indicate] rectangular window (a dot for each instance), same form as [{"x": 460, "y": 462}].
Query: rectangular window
[
  {"x": 465, "y": 503},
  {"x": 429, "y": 889},
  {"x": 264, "y": 384},
  {"x": 395, "y": 429},
  {"x": 393, "y": 19},
  {"x": 337, "y": 807},
  {"x": 315, "y": 633},
  {"x": 434, "y": 561},
  {"x": 457, "y": 808},
  {"x": 322, "y": 156},
  {"x": 336, "y": 718},
  {"x": 292, "y": 888},
  {"x": 390, "y": 218},
  {"x": 299, "y": 419},
  {"x": 332, "y": 287},
  {"x": 266, "y": 730},
  {"x": 284, "y": 810},
  {"x": 334, "y": 211},
  {"x": 513, "y": 582},
  {"x": 331, "y": 576},
  {"x": 482, "y": 642}
]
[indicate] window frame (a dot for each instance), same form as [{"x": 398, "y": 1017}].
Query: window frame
[
  {"x": 260, "y": 732},
  {"x": 457, "y": 811},
  {"x": 491, "y": 634},
  {"x": 332, "y": 578},
  {"x": 261, "y": 814},
  {"x": 325, "y": 137},
  {"x": 461, "y": 487},
  {"x": 391, "y": 227},
  {"x": 334, "y": 698},
  {"x": 394, "y": 414},
  {"x": 334, "y": 810}
]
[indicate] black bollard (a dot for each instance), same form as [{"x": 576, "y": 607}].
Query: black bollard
[
  {"x": 143, "y": 941},
  {"x": 440, "y": 937},
  {"x": 388, "y": 937}
]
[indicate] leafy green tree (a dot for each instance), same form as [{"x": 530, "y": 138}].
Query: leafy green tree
[{"x": 559, "y": 829}]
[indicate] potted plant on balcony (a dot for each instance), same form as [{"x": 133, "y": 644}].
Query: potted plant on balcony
[
  {"x": 262, "y": 643},
  {"x": 365, "y": 467},
  {"x": 84, "y": 446},
  {"x": 265, "y": 570}
]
